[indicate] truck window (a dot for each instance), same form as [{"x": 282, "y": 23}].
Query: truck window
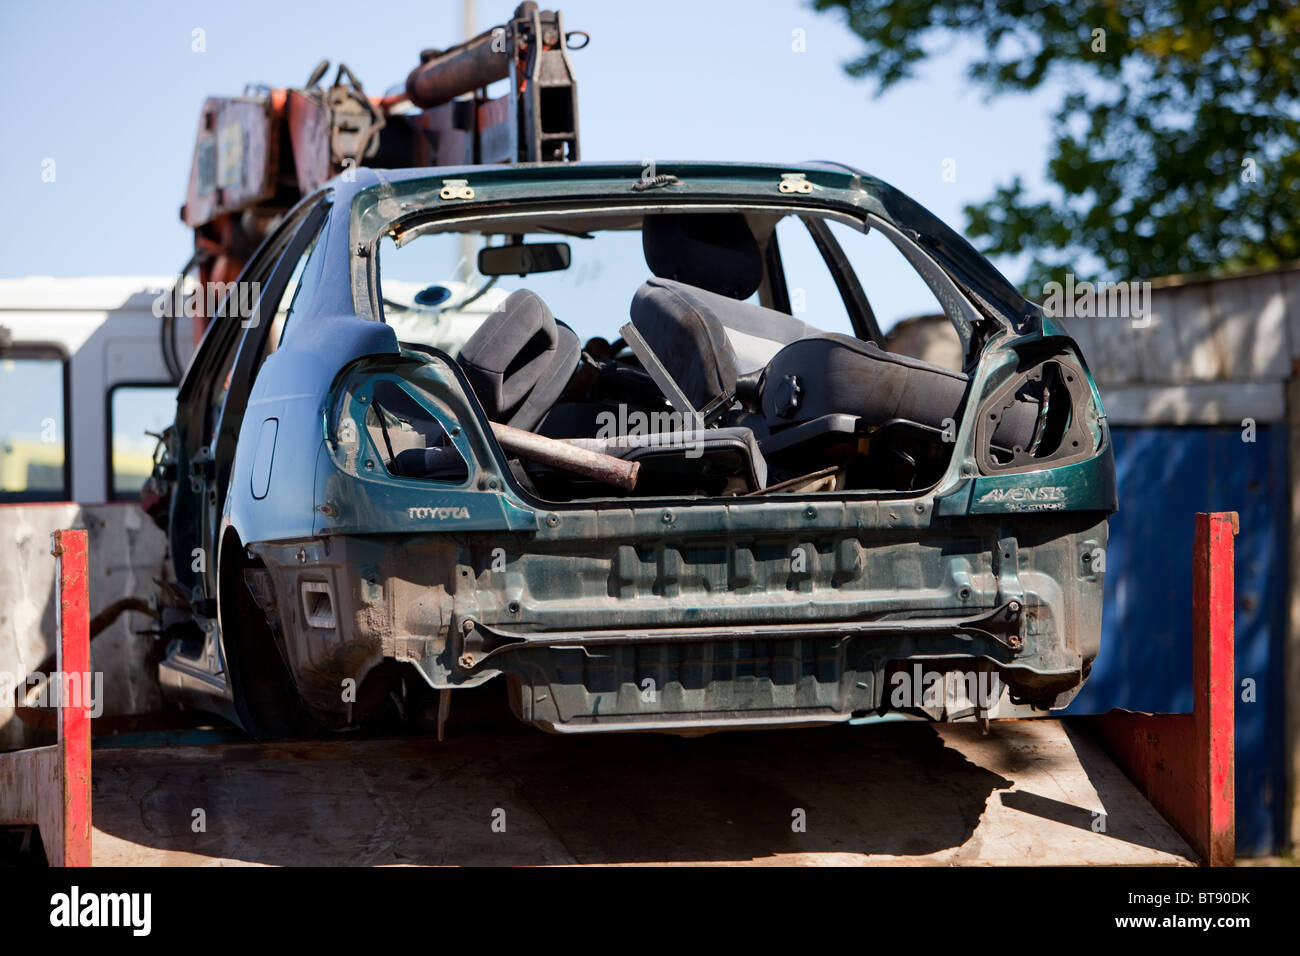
[
  {"x": 136, "y": 414},
  {"x": 33, "y": 427}
]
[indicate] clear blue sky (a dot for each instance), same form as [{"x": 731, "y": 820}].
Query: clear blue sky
[{"x": 111, "y": 92}]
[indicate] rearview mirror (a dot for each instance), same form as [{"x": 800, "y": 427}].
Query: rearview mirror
[{"x": 522, "y": 259}]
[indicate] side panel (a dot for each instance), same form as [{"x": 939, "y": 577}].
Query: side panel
[{"x": 322, "y": 336}]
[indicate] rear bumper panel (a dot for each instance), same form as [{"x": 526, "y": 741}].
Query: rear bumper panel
[{"x": 699, "y": 630}]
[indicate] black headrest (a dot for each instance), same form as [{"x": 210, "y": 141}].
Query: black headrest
[{"x": 714, "y": 251}]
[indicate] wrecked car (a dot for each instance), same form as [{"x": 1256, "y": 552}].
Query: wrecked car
[{"x": 589, "y": 434}]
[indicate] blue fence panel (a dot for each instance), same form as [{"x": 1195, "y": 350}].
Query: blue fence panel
[{"x": 1166, "y": 475}]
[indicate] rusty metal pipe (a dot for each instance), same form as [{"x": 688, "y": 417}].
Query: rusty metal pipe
[
  {"x": 457, "y": 71},
  {"x": 558, "y": 454}
]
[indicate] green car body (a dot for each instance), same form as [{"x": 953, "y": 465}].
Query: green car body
[{"x": 680, "y": 614}]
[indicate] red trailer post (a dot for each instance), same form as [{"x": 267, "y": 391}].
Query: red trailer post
[
  {"x": 50, "y": 786},
  {"x": 1184, "y": 763}
]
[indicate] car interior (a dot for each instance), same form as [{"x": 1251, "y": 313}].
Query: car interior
[{"x": 711, "y": 392}]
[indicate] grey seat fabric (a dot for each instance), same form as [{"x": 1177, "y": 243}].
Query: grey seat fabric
[
  {"x": 519, "y": 360},
  {"x": 706, "y": 340},
  {"x": 837, "y": 374}
]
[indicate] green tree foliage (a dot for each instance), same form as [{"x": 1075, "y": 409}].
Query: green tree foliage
[{"x": 1176, "y": 151}]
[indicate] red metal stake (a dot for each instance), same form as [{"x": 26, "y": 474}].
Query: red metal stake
[
  {"x": 69, "y": 549},
  {"x": 50, "y": 786},
  {"x": 1184, "y": 763},
  {"x": 1215, "y": 685}
]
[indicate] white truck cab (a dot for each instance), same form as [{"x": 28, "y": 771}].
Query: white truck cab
[{"x": 82, "y": 383}]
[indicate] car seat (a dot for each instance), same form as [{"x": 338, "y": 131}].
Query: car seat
[{"x": 519, "y": 360}]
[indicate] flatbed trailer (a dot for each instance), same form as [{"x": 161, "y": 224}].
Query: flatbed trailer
[
  {"x": 907, "y": 793},
  {"x": 1120, "y": 789}
]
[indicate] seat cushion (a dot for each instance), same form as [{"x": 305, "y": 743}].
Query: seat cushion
[
  {"x": 838, "y": 374},
  {"x": 706, "y": 451},
  {"x": 706, "y": 340}
]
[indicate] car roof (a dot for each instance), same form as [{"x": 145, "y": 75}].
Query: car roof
[
  {"x": 833, "y": 184},
  {"x": 592, "y": 169}
]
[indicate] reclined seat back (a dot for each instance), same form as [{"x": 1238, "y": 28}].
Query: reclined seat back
[{"x": 793, "y": 373}]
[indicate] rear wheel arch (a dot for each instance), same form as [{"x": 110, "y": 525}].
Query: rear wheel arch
[{"x": 265, "y": 695}]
